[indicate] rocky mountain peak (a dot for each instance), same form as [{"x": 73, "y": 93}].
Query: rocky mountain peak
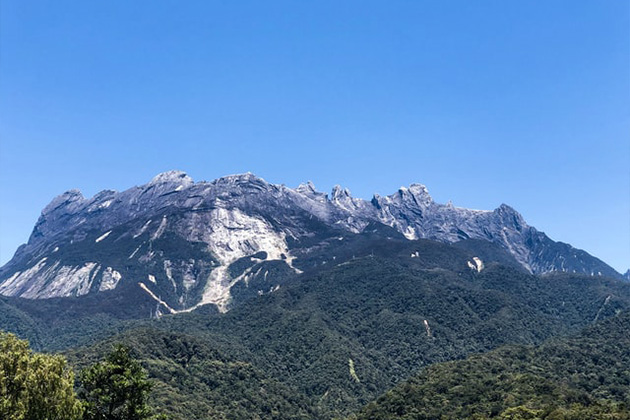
[
  {"x": 105, "y": 194},
  {"x": 236, "y": 178},
  {"x": 420, "y": 194},
  {"x": 246, "y": 179},
  {"x": 306, "y": 188},
  {"x": 183, "y": 237},
  {"x": 510, "y": 217},
  {"x": 416, "y": 195},
  {"x": 172, "y": 177},
  {"x": 339, "y": 193},
  {"x": 342, "y": 199},
  {"x": 419, "y": 190},
  {"x": 68, "y": 200}
]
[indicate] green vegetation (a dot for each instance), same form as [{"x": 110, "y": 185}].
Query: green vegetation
[
  {"x": 116, "y": 388},
  {"x": 298, "y": 341},
  {"x": 34, "y": 386},
  {"x": 59, "y": 323},
  {"x": 584, "y": 377},
  {"x": 372, "y": 310},
  {"x": 353, "y": 326},
  {"x": 193, "y": 380}
]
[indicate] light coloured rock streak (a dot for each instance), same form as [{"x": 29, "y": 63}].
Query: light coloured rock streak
[
  {"x": 232, "y": 234},
  {"x": 157, "y": 299}
]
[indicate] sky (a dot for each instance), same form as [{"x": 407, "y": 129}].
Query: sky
[{"x": 484, "y": 102}]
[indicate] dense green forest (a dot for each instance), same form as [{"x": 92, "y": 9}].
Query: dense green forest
[
  {"x": 38, "y": 386},
  {"x": 193, "y": 380},
  {"x": 582, "y": 377},
  {"x": 372, "y": 311},
  {"x": 585, "y": 376},
  {"x": 337, "y": 337},
  {"x": 370, "y": 314}
]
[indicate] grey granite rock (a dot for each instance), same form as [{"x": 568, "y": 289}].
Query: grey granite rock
[{"x": 86, "y": 245}]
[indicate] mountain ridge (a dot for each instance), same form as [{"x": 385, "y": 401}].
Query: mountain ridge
[{"x": 84, "y": 245}]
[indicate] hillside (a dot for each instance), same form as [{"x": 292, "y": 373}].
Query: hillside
[
  {"x": 582, "y": 377},
  {"x": 342, "y": 336},
  {"x": 196, "y": 381}
]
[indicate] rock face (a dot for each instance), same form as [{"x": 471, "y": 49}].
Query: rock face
[{"x": 188, "y": 243}]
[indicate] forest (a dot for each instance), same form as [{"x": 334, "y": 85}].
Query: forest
[{"x": 380, "y": 336}]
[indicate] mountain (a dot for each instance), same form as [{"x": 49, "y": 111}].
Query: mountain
[
  {"x": 339, "y": 338},
  {"x": 184, "y": 244},
  {"x": 373, "y": 310},
  {"x": 331, "y": 341},
  {"x": 318, "y": 303}
]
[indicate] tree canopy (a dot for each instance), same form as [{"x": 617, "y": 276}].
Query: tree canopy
[
  {"x": 116, "y": 388},
  {"x": 35, "y": 386}
]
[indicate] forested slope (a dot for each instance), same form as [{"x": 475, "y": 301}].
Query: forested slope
[
  {"x": 340, "y": 338},
  {"x": 582, "y": 377},
  {"x": 339, "y": 335}
]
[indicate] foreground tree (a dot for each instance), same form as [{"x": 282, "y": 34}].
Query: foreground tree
[
  {"x": 116, "y": 388},
  {"x": 34, "y": 386}
]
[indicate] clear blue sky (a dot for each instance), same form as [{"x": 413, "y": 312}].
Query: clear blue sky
[{"x": 522, "y": 102}]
